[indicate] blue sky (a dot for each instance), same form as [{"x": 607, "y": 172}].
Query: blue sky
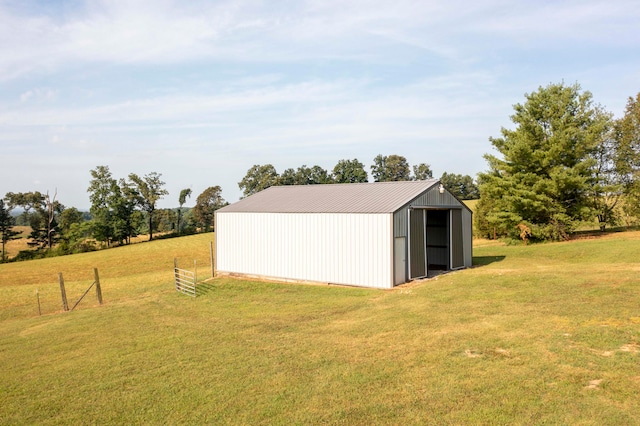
[{"x": 200, "y": 91}]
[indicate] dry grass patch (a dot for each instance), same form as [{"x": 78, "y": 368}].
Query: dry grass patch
[
  {"x": 13, "y": 247},
  {"x": 504, "y": 343}
]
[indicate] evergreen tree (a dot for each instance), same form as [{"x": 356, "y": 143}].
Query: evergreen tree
[
  {"x": 6, "y": 228},
  {"x": 544, "y": 176}
]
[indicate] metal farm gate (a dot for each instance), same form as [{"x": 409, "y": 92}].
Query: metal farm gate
[{"x": 185, "y": 279}]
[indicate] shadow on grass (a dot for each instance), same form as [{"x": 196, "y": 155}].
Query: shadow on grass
[
  {"x": 204, "y": 288},
  {"x": 486, "y": 260}
]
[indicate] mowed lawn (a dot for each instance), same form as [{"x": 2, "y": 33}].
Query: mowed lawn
[{"x": 540, "y": 334}]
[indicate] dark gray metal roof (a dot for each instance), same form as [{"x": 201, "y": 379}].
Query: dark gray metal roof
[{"x": 378, "y": 197}]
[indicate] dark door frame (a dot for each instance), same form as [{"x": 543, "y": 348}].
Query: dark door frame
[{"x": 450, "y": 235}]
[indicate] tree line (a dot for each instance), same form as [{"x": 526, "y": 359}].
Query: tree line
[
  {"x": 120, "y": 210},
  {"x": 385, "y": 168},
  {"x": 566, "y": 161},
  {"x": 124, "y": 208}
]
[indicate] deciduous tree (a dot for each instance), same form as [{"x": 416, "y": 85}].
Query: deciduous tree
[
  {"x": 149, "y": 191},
  {"x": 627, "y": 157},
  {"x": 422, "y": 171},
  {"x": 461, "y": 186},
  {"x": 258, "y": 178},
  {"x": 349, "y": 171},
  {"x": 304, "y": 176},
  {"x": 27, "y": 200},
  {"x": 608, "y": 187},
  {"x": 390, "y": 168},
  {"x": 207, "y": 203},
  {"x": 184, "y": 194},
  {"x": 288, "y": 177},
  {"x": 43, "y": 218},
  {"x": 125, "y": 219},
  {"x": 102, "y": 188}
]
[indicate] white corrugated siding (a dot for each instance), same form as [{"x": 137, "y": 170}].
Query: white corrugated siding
[{"x": 352, "y": 249}]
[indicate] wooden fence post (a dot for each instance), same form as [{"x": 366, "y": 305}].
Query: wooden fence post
[
  {"x": 65, "y": 305},
  {"x": 98, "y": 288},
  {"x": 38, "y": 297},
  {"x": 175, "y": 271}
]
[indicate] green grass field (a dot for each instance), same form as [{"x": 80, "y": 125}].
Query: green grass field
[{"x": 539, "y": 334}]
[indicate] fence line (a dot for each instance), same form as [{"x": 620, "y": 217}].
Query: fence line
[{"x": 63, "y": 291}]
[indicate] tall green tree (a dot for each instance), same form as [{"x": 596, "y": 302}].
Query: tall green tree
[
  {"x": 422, "y": 171},
  {"x": 317, "y": 176},
  {"x": 461, "y": 186},
  {"x": 258, "y": 177},
  {"x": 68, "y": 217},
  {"x": 27, "y": 200},
  {"x": 6, "y": 227},
  {"x": 627, "y": 157},
  {"x": 390, "y": 168},
  {"x": 608, "y": 188},
  {"x": 207, "y": 203},
  {"x": 149, "y": 191},
  {"x": 304, "y": 176},
  {"x": 184, "y": 194},
  {"x": 75, "y": 232},
  {"x": 349, "y": 171},
  {"x": 544, "y": 174},
  {"x": 165, "y": 220},
  {"x": 102, "y": 191},
  {"x": 125, "y": 219},
  {"x": 288, "y": 177},
  {"x": 42, "y": 220}
]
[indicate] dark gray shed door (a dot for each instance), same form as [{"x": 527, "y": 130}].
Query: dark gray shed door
[
  {"x": 417, "y": 246},
  {"x": 457, "y": 253}
]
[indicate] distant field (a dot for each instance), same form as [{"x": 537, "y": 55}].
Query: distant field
[
  {"x": 538, "y": 334},
  {"x": 12, "y": 247},
  {"x": 471, "y": 204}
]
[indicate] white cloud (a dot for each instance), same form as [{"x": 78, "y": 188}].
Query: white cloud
[
  {"x": 178, "y": 107},
  {"x": 164, "y": 31},
  {"x": 289, "y": 82},
  {"x": 38, "y": 94}
]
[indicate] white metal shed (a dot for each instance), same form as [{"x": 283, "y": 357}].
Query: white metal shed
[{"x": 365, "y": 234}]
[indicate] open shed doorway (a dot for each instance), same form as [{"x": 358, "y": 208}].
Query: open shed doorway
[
  {"x": 437, "y": 244},
  {"x": 435, "y": 241}
]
